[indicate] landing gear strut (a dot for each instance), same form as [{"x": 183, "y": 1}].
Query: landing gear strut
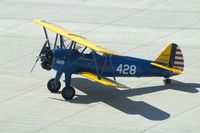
[
  {"x": 167, "y": 81},
  {"x": 68, "y": 92}
]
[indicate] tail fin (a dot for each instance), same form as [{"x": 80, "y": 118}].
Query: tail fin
[{"x": 172, "y": 57}]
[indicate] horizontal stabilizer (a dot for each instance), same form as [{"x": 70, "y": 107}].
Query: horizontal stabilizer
[
  {"x": 104, "y": 81},
  {"x": 176, "y": 70}
]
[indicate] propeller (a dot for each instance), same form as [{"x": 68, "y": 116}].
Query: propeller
[
  {"x": 43, "y": 51},
  {"x": 34, "y": 64}
]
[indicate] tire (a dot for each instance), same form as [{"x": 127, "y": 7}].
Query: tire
[
  {"x": 68, "y": 93},
  {"x": 53, "y": 86}
]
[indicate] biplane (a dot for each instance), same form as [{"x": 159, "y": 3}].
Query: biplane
[{"x": 71, "y": 53}]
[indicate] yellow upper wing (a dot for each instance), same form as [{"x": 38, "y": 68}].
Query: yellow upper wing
[{"x": 74, "y": 37}]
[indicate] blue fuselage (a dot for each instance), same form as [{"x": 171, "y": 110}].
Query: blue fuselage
[{"x": 119, "y": 66}]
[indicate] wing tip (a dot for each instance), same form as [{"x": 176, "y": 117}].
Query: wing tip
[{"x": 36, "y": 20}]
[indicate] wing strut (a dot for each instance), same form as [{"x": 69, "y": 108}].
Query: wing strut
[
  {"x": 110, "y": 57},
  {"x": 100, "y": 73},
  {"x": 46, "y": 35},
  {"x": 104, "y": 64},
  {"x": 55, "y": 40},
  {"x": 96, "y": 64},
  {"x": 61, "y": 42}
]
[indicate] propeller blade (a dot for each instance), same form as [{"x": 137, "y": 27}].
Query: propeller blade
[
  {"x": 41, "y": 52},
  {"x": 34, "y": 64}
]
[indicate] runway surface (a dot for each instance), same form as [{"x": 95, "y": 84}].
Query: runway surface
[{"x": 139, "y": 28}]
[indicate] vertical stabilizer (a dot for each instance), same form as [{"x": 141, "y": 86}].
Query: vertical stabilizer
[{"x": 171, "y": 57}]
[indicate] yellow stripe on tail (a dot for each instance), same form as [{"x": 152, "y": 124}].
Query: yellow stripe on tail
[
  {"x": 164, "y": 57},
  {"x": 171, "y": 59}
]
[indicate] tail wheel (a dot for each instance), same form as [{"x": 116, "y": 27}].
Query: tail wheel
[
  {"x": 68, "y": 93},
  {"x": 167, "y": 81},
  {"x": 53, "y": 86}
]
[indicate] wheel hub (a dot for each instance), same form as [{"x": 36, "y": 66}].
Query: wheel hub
[
  {"x": 69, "y": 93},
  {"x": 54, "y": 84}
]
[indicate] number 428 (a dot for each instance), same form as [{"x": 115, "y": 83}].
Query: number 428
[{"x": 126, "y": 69}]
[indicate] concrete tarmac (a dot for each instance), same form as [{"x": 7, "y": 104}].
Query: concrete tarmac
[{"x": 139, "y": 28}]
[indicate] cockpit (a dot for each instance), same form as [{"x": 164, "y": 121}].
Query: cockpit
[{"x": 71, "y": 45}]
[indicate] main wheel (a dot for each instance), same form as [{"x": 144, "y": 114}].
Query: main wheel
[
  {"x": 167, "y": 81},
  {"x": 53, "y": 85},
  {"x": 68, "y": 93}
]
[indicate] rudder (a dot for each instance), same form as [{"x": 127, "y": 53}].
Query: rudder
[{"x": 172, "y": 57}]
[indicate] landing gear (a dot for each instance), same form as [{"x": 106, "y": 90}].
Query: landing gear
[
  {"x": 53, "y": 85},
  {"x": 167, "y": 81},
  {"x": 68, "y": 93}
]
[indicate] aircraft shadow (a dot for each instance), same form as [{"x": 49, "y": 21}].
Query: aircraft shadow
[{"x": 118, "y": 99}]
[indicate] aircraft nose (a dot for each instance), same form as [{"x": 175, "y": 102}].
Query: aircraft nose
[{"x": 48, "y": 60}]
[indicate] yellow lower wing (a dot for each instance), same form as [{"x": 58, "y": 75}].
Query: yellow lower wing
[
  {"x": 167, "y": 68},
  {"x": 103, "y": 81}
]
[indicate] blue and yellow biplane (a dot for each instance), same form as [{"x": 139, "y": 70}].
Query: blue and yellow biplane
[{"x": 74, "y": 54}]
